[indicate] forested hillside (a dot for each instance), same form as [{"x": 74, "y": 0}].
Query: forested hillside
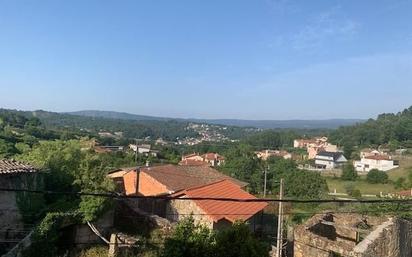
[
  {"x": 168, "y": 130},
  {"x": 388, "y": 128}
]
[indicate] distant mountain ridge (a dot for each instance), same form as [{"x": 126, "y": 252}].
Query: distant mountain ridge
[{"x": 265, "y": 124}]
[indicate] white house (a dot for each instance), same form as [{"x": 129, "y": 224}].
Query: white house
[
  {"x": 379, "y": 162},
  {"x": 329, "y": 160},
  {"x": 145, "y": 149}
]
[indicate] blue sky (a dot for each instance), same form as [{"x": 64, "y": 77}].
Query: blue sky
[{"x": 251, "y": 59}]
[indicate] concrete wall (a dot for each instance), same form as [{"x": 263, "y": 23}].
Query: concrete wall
[{"x": 9, "y": 211}]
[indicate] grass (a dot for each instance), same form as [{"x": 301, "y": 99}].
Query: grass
[
  {"x": 405, "y": 165},
  {"x": 361, "y": 184},
  {"x": 373, "y": 189}
]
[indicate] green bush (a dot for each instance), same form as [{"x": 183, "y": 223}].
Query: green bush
[
  {"x": 189, "y": 240},
  {"x": 349, "y": 173},
  {"x": 376, "y": 176}
]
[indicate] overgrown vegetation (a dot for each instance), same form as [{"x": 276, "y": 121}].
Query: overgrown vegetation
[{"x": 190, "y": 239}]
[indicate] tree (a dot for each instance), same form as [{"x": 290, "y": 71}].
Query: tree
[
  {"x": 348, "y": 149},
  {"x": 305, "y": 184},
  {"x": 242, "y": 163},
  {"x": 189, "y": 239},
  {"x": 349, "y": 173},
  {"x": 400, "y": 183},
  {"x": 377, "y": 176},
  {"x": 238, "y": 241}
]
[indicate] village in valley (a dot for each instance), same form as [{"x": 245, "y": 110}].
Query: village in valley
[
  {"x": 264, "y": 128},
  {"x": 155, "y": 187}
]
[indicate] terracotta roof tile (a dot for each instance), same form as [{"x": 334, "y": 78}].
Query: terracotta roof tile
[
  {"x": 229, "y": 210},
  {"x": 179, "y": 177},
  {"x": 193, "y": 162},
  {"x": 378, "y": 157}
]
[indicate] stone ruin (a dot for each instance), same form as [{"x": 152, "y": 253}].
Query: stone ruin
[{"x": 351, "y": 234}]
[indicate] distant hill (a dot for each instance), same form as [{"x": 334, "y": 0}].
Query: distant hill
[
  {"x": 116, "y": 115},
  {"x": 265, "y": 124},
  {"x": 283, "y": 124}
]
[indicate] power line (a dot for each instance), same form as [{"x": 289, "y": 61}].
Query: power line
[{"x": 168, "y": 197}]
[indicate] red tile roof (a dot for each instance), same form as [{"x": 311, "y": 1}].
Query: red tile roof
[
  {"x": 228, "y": 210},
  {"x": 179, "y": 177},
  {"x": 190, "y": 155},
  {"x": 405, "y": 193},
  {"x": 213, "y": 156},
  {"x": 378, "y": 157},
  {"x": 193, "y": 162}
]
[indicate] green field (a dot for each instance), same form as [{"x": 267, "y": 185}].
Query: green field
[
  {"x": 404, "y": 168},
  {"x": 361, "y": 184}
]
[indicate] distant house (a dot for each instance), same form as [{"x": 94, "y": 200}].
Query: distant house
[
  {"x": 192, "y": 157},
  {"x": 315, "y": 145},
  {"x": 108, "y": 148},
  {"x": 144, "y": 149},
  {"x": 18, "y": 175},
  {"x": 266, "y": 154},
  {"x": 212, "y": 159},
  {"x": 189, "y": 162},
  {"x": 366, "y": 152},
  {"x": 381, "y": 162},
  {"x": 329, "y": 160},
  {"x": 216, "y": 214}
]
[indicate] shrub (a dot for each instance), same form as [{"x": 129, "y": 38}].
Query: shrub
[
  {"x": 376, "y": 176},
  {"x": 349, "y": 173}
]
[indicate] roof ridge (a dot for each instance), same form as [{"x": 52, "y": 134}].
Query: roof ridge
[{"x": 209, "y": 184}]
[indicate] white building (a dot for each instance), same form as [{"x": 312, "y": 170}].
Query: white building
[
  {"x": 145, "y": 149},
  {"x": 329, "y": 160},
  {"x": 379, "y": 162}
]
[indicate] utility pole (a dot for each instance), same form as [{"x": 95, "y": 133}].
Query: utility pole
[
  {"x": 279, "y": 244},
  {"x": 135, "y": 153},
  {"x": 264, "y": 187}
]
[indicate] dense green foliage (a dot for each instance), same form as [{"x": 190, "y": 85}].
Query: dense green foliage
[
  {"x": 392, "y": 129},
  {"x": 242, "y": 163},
  {"x": 189, "y": 239},
  {"x": 377, "y": 176},
  {"x": 45, "y": 236},
  {"x": 349, "y": 173},
  {"x": 73, "y": 169}
]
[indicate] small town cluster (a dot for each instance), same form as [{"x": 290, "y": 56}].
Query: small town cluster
[{"x": 112, "y": 195}]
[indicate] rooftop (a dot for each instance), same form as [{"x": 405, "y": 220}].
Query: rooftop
[
  {"x": 191, "y": 162},
  {"x": 13, "y": 167},
  {"x": 335, "y": 155},
  {"x": 228, "y": 210},
  {"x": 178, "y": 177},
  {"x": 378, "y": 157}
]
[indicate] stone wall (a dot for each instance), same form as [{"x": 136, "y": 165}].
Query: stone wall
[
  {"x": 387, "y": 237},
  {"x": 392, "y": 238},
  {"x": 83, "y": 235},
  {"x": 9, "y": 211},
  {"x": 179, "y": 209}
]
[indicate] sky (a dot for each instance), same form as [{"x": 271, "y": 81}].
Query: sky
[{"x": 244, "y": 59}]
